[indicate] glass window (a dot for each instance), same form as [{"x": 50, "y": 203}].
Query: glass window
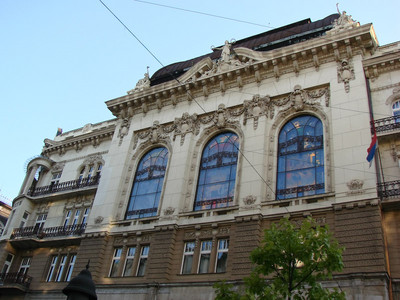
[
  {"x": 205, "y": 253},
  {"x": 143, "y": 260},
  {"x": 222, "y": 256},
  {"x": 217, "y": 176},
  {"x": 148, "y": 183},
  {"x": 40, "y": 220},
  {"x": 52, "y": 268},
  {"x": 85, "y": 215},
  {"x": 115, "y": 262},
  {"x": 300, "y": 158},
  {"x": 70, "y": 267},
  {"x": 187, "y": 260},
  {"x": 67, "y": 217},
  {"x": 130, "y": 256},
  {"x": 55, "y": 178},
  {"x": 99, "y": 167},
  {"x": 25, "y": 217},
  {"x": 90, "y": 173},
  {"x": 396, "y": 111},
  {"x": 7, "y": 263},
  {"x": 25, "y": 264},
  {"x": 76, "y": 217},
  {"x": 61, "y": 267}
]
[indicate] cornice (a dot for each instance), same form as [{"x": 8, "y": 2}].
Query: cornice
[
  {"x": 383, "y": 63},
  {"x": 93, "y": 138},
  {"x": 249, "y": 67}
]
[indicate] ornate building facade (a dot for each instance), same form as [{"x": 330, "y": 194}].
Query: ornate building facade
[{"x": 172, "y": 194}]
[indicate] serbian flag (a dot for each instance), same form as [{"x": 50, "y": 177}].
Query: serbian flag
[
  {"x": 59, "y": 131},
  {"x": 372, "y": 149}
]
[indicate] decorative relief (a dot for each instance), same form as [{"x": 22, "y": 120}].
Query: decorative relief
[
  {"x": 318, "y": 221},
  {"x": 169, "y": 211},
  {"x": 155, "y": 134},
  {"x": 355, "y": 187},
  {"x": 80, "y": 201},
  {"x": 58, "y": 167},
  {"x": 249, "y": 200},
  {"x": 123, "y": 130},
  {"x": 345, "y": 74},
  {"x": 93, "y": 159},
  {"x": 43, "y": 208},
  {"x": 257, "y": 107},
  {"x": 142, "y": 84},
  {"x": 98, "y": 219},
  {"x": 207, "y": 233},
  {"x": 344, "y": 22},
  {"x": 188, "y": 123}
]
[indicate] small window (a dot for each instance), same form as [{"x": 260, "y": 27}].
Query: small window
[
  {"x": 99, "y": 167},
  {"x": 55, "y": 178},
  {"x": 222, "y": 256},
  {"x": 115, "y": 262},
  {"x": 143, "y": 260},
  {"x": 90, "y": 173},
  {"x": 81, "y": 174},
  {"x": 130, "y": 256},
  {"x": 76, "y": 217},
  {"x": 67, "y": 217},
  {"x": 187, "y": 260},
  {"x": 25, "y": 217},
  {"x": 85, "y": 215},
  {"x": 40, "y": 220},
  {"x": 7, "y": 263},
  {"x": 25, "y": 264},
  {"x": 205, "y": 254}
]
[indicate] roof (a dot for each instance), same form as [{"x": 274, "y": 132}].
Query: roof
[{"x": 269, "y": 40}]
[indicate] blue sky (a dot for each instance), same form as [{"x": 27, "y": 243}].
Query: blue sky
[{"x": 61, "y": 60}]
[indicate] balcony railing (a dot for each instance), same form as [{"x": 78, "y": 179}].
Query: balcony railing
[
  {"x": 64, "y": 186},
  {"x": 59, "y": 231},
  {"x": 15, "y": 278},
  {"x": 386, "y": 124},
  {"x": 389, "y": 189}
]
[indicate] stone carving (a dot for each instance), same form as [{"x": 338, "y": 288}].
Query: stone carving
[
  {"x": 169, "y": 211},
  {"x": 123, "y": 130},
  {"x": 188, "y": 123},
  {"x": 257, "y": 107},
  {"x": 87, "y": 128},
  {"x": 345, "y": 74},
  {"x": 355, "y": 186},
  {"x": 394, "y": 97},
  {"x": 141, "y": 85},
  {"x": 344, "y": 21},
  {"x": 98, "y": 219},
  {"x": 57, "y": 168},
  {"x": 249, "y": 200},
  {"x": 299, "y": 98},
  {"x": 93, "y": 159},
  {"x": 154, "y": 134}
]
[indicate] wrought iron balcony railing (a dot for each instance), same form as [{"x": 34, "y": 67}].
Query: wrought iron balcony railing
[
  {"x": 15, "y": 278},
  {"x": 64, "y": 186},
  {"x": 389, "y": 189},
  {"x": 59, "y": 231},
  {"x": 386, "y": 124}
]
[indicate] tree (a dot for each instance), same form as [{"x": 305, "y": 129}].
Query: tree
[{"x": 297, "y": 259}]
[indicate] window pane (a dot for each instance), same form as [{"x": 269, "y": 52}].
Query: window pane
[
  {"x": 147, "y": 186},
  {"x": 204, "y": 263},
  {"x": 221, "y": 262},
  {"x": 301, "y": 158}
]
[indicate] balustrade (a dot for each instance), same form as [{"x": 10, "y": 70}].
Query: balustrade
[
  {"x": 389, "y": 189},
  {"x": 385, "y": 124},
  {"x": 58, "y": 231},
  {"x": 12, "y": 278}
]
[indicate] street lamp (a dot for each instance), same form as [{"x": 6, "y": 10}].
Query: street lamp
[{"x": 81, "y": 287}]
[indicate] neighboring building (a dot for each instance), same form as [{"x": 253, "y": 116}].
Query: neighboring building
[
  {"x": 174, "y": 193},
  {"x": 5, "y": 211}
]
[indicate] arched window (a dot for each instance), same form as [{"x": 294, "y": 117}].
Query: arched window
[
  {"x": 300, "y": 158},
  {"x": 216, "y": 184},
  {"x": 148, "y": 183},
  {"x": 396, "y": 111}
]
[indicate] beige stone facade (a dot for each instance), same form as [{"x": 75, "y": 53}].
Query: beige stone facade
[{"x": 77, "y": 201}]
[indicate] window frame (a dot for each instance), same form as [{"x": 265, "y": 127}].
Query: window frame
[
  {"x": 25, "y": 265},
  {"x": 223, "y": 251},
  {"x": 7, "y": 263},
  {"x": 141, "y": 268},
  {"x": 115, "y": 262},
  {"x": 203, "y": 253},
  {"x": 186, "y": 254},
  {"x": 129, "y": 258}
]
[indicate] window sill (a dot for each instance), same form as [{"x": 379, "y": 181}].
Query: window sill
[
  {"x": 299, "y": 200},
  {"x": 208, "y": 213},
  {"x": 130, "y": 222}
]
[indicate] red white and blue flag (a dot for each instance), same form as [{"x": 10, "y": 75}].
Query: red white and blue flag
[{"x": 372, "y": 149}]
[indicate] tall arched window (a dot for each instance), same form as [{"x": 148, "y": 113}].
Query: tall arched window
[
  {"x": 216, "y": 184},
  {"x": 148, "y": 183},
  {"x": 300, "y": 158}
]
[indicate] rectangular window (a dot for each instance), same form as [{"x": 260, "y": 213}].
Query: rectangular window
[
  {"x": 61, "y": 267},
  {"x": 143, "y": 260},
  {"x": 70, "y": 267},
  {"x": 188, "y": 257},
  {"x": 25, "y": 264},
  {"x": 130, "y": 256},
  {"x": 222, "y": 256},
  {"x": 24, "y": 219},
  {"x": 40, "y": 220},
  {"x": 67, "y": 217},
  {"x": 76, "y": 217},
  {"x": 85, "y": 215},
  {"x": 115, "y": 262},
  {"x": 7, "y": 263},
  {"x": 55, "y": 178},
  {"x": 52, "y": 268},
  {"x": 205, "y": 253}
]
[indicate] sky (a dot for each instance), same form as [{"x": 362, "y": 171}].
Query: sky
[{"x": 61, "y": 60}]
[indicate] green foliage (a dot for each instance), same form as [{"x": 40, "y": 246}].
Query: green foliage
[{"x": 296, "y": 258}]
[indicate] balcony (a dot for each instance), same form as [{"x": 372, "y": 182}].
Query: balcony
[
  {"x": 32, "y": 237},
  {"x": 15, "y": 281},
  {"x": 388, "y": 189},
  {"x": 64, "y": 186},
  {"x": 386, "y": 125}
]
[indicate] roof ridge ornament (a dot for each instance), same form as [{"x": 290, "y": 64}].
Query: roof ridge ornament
[
  {"x": 142, "y": 84},
  {"x": 344, "y": 21}
]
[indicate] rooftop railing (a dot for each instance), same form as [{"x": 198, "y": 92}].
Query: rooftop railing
[
  {"x": 58, "y": 231},
  {"x": 64, "y": 186}
]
